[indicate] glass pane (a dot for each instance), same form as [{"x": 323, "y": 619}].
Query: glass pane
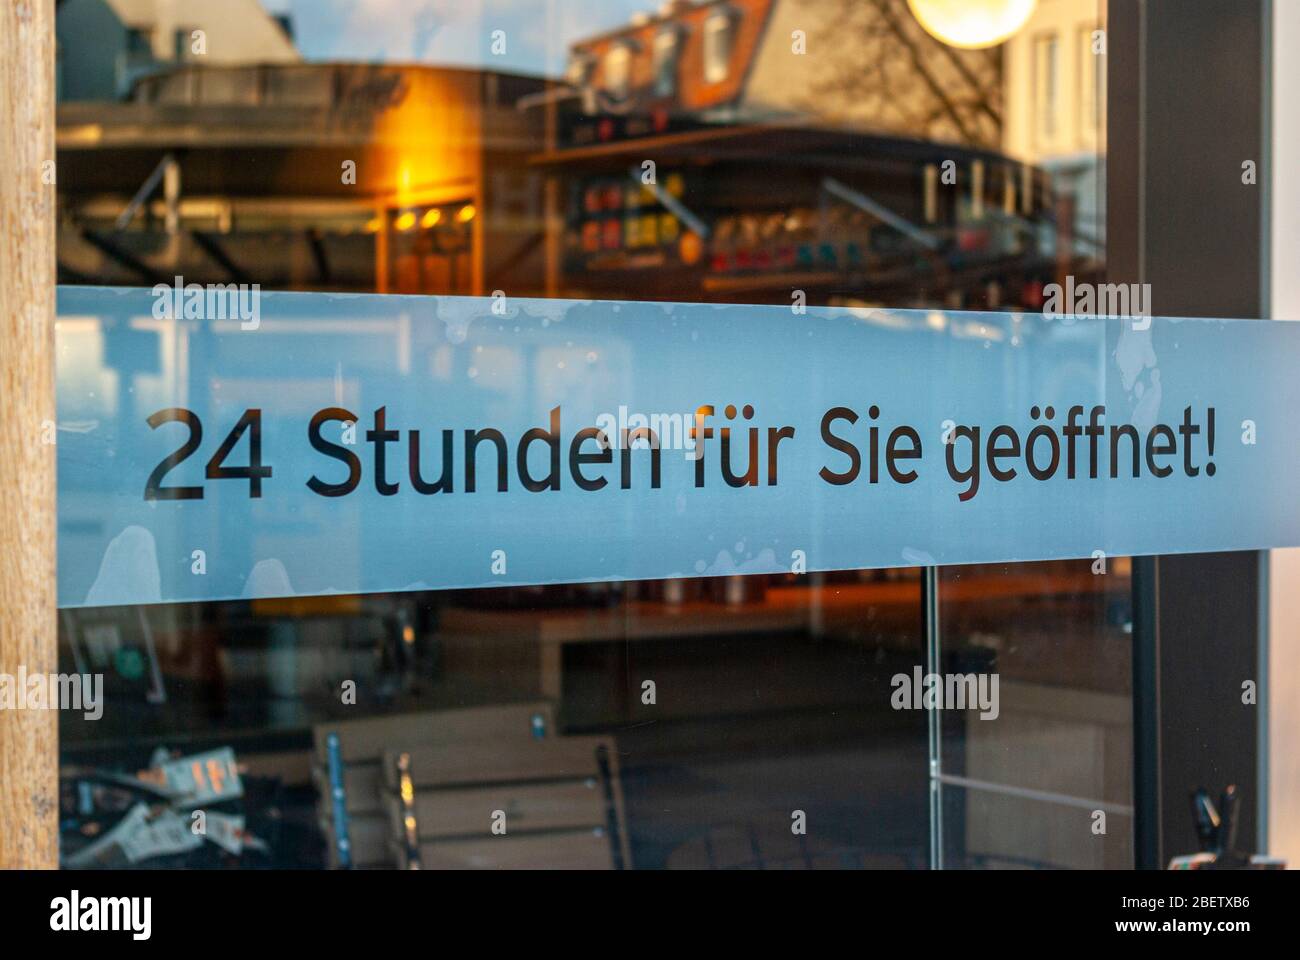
[
  {"x": 999, "y": 830},
  {"x": 669, "y": 724},
  {"x": 1040, "y": 771},
  {"x": 719, "y": 152}
]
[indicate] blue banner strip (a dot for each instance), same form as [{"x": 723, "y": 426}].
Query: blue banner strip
[{"x": 235, "y": 444}]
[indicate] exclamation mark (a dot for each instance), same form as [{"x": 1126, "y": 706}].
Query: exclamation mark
[{"x": 1209, "y": 442}]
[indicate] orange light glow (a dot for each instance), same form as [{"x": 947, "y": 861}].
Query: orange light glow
[
  {"x": 431, "y": 218},
  {"x": 405, "y": 222},
  {"x": 466, "y": 213}
]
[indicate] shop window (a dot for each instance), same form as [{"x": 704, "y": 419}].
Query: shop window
[{"x": 774, "y": 689}]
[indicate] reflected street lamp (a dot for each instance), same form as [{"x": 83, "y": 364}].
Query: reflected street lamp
[{"x": 972, "y": 24}]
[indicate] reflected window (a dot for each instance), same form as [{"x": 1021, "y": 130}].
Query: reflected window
[
  {"x": 182, "y": 43},
  {"x": 665, "y": 63},
  {"x": 1092, "y": 79},
  {"x": 618, "y": 71},
  {"x": 139, "y": 42},
  {"x": 719, "y": 35},
  {"x": 1046, "y": 94},
  {"x": 578, "y": 72}
]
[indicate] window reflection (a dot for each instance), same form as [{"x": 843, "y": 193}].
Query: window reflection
[{"x": 304, "y": 153}]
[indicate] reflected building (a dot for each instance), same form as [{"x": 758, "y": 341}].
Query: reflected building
[
  {"x": 1055, "y": 69},
  {"x": 741, "y": 151},
  {"x": 339, "y": 177},
  {"x": 104, "y": 46},
  {"x": 701, "y": 152}
]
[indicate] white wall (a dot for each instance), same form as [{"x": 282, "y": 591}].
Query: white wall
[{"x": 1284, "y": 565}]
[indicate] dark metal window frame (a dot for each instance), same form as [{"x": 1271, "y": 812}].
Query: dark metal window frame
[{"x": 1180, "y": 218}]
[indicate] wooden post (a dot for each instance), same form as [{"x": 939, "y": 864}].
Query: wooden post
[{"x": 29, "y": 756}]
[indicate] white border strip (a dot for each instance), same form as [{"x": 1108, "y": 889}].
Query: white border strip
[{"x": 1282, "y": 626}]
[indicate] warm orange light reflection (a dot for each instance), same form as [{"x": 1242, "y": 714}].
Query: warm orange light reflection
[
  {"x": 405, "y": 222},
  {"x": 431, "y": 218},
  {"x": 466, "y": 213}
]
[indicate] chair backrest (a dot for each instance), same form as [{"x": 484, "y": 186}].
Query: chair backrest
[
  {"x": 353, "y": 816},
  {"x": 553, "y": 803}
]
